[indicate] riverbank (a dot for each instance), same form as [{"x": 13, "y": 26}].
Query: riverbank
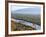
[
  {"x": 19, "y": 27},
  {"x": 37, "y": 27}
]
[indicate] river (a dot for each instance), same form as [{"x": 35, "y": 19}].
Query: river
[{"x": 37, "y": 27}]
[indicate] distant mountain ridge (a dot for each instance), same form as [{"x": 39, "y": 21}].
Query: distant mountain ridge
[{"x": 27, "y": 11}]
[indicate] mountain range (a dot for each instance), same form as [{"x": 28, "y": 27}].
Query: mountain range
[{"x": 27, "y": 11}]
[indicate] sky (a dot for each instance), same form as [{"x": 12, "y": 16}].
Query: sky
[
  {"x": 33, "y": 9},
  {"x": 18, "y": 7}
]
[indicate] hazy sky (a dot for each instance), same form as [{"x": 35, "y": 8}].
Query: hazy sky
[
  {"x": 33, "y": 9},
  {"x": 18, "y": 7}
]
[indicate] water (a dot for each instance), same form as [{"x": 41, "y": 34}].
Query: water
[{"x": 37, "y": 27}]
